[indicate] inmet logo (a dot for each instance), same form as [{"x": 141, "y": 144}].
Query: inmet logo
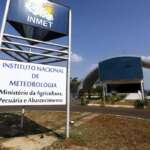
[{"x": 42, "y": 12}]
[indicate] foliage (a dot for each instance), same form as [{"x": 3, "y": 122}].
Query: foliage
[
  {"x": 84, "y": 101},
  {"x": 114, "y": 97},
  {"x": 147, "y": 103},
  {"x": 74, "y": 85},
  {"x": 139, "y": 104},
  {"x": 99, "y": 90},
  {"x": 147, "y": 92},
  {"x": 81, "y": 92}
]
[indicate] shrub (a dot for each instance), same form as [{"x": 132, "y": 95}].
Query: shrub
[
  {"x": 83, "y": 100},
  {"x": 87, "y": 101},
  {"x": 139, "y": 104},
  {"x": 148, "y": 106},
  {"x": 147, "y": 103}
]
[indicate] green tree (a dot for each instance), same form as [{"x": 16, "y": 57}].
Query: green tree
[
  {"x": 99, "y": 90},
  {"x": 74, "y": 85}
]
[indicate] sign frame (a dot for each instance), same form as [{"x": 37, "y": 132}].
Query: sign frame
[
  {"x": 20, "y": 54},
  {"x": 36, "y": 85}
]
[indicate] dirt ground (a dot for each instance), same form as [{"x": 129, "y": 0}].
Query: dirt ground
[
  {"x": 41, "y": 129},
  {"x": 107, "y": 132},
  {"x": 44, "y": 130}
]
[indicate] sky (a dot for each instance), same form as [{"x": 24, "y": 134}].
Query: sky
[{"x": 103, "y": 29}]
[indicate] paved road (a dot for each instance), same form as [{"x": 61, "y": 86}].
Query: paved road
[{"x": 145, "y": 114}]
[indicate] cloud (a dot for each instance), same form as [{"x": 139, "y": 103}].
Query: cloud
[
  {"x": 75, "y": 58},
  {"x": 146, "y": 57},
  {"x": 93, "y": 66}
]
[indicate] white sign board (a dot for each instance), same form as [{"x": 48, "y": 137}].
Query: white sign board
[{"x": 31, "y": 84}]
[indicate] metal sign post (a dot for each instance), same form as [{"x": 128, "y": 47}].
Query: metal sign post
[
  {"x": 104, "y": 94},
  {"x": 22, "y": 117},
  {"x": 68, "y": 78},
  {"x": 142, "y": 90}
]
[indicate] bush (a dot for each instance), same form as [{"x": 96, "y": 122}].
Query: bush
[
  {"x": 148, "y": 106},
  {"x": 139, "y": 104},
  {"x": 115, "y": 97},
  {"x": 83, "y": 100},
  {"x": 147, "y": 103}
]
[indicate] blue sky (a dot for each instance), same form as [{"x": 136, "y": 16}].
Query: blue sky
[{"x": 107, "y": 28}]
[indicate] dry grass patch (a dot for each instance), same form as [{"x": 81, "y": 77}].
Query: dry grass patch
[
  {"x": 103, "y": 132},
  {"x": 107, "y": 132},
  {"x": 51, "y": 120}
]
